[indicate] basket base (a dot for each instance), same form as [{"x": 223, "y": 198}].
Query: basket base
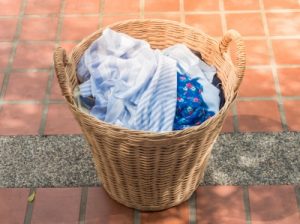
[{"x": 150, "y": 208}]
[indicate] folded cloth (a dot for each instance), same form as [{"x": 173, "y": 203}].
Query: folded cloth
[
  {"x": 188, "y": 63},
  {"x": 133, "y": 85}
]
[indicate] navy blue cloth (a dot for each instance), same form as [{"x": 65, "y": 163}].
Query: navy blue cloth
[
  {"x": 191, "y": 109},
  {"x": 217, "y": 83}
]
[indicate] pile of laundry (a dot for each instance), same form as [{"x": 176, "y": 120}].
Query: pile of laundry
[{"x": 123, "y": 81}]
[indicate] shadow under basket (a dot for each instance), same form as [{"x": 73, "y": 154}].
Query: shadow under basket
[{"x": 145, "y": 170}]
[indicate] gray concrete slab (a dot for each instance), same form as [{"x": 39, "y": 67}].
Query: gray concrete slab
[{"x": 237, "y": 159}]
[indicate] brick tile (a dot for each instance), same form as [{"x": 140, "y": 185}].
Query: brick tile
[
  {"x": 258, "y": 83},
  {"x": 175, "y": 17},
  {"x": 210, "y": 24},
  {"x": 55, "y": 90},
  {"x": 127, "y": 6},
  {"x": 39, "y": 28},
  {"x": 20, "y": 119},
  {"x": 26, "y": 86},
  {"x": 34, "y": 55},
  {"x": 161, "y": 5},
  {"x": 258, "y": 116},
  {"x": 228, "y": 123},
  {"x": 9, "y": 25},
  {"x": 5, "y": 50},
  {"x": 102, "y": 209},
  {"x": 82, "y": 6},
  {"x": 241, "y": 5},
  {"x": 257, "y": 52},
  {"x": 107, "y": 20},
  {"x": 287, "y": 23},
  {"x": 289, "y": 79},
  {"x": 285, "y": 51},
  {"x": 56, "y": 205},
  {"x": 273, "y": 205},
  {"x": 77, "y": 28},
  {"x": 220, "y": 204},
  {"x": 13, "y": 204},
  {"x": 9, "y": 8},
  {"x": 60, "y": 120},
  {"x": 292, "y": 111},
  {"x": 248, "y": 24},
  {"x": 175, "y": 215},
  {"x": 279, "y": 4},
  {"x": 42, "y": 7},
  {"x": 203, "y": 5}
]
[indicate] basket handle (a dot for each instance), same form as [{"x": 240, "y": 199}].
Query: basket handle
[
  {"x": 60, "y": 62},
  {"x": 240, "y": 61}
]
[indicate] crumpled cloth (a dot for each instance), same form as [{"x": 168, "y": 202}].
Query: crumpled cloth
[
  {"x": 125, "y": 82},
  {"x": 133, "y": 85}
]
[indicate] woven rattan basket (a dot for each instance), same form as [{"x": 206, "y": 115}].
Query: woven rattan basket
[{"x": 154, "y": 171}]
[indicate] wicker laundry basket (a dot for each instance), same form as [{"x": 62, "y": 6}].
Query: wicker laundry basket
[{"x": 145, "y": 170}]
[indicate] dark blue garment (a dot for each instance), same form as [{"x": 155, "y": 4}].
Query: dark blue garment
[
  {"x": 190, "y": 108},
  {"x": 87, "y": 102},
  {"x": 217, "y": 83}
]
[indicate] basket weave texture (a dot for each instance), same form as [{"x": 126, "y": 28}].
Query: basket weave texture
[{"x": 146, "y": 170}]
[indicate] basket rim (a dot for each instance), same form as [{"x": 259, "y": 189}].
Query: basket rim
[{"x": 141, "y": 133}]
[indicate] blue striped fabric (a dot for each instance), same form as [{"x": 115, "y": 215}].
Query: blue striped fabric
[{"x": 133, "y": 85}]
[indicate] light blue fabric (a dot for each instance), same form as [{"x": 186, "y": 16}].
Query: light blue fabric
[{"x": 133, "y": 85}]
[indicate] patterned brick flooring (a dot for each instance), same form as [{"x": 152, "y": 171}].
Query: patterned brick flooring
[
  {"x": 31, "y": 104},
  {"x": 209, "y": 205}
]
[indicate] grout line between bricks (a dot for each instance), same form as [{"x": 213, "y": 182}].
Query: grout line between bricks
[
  {"x": 42, "y": 128},
  {"x": 31, "y": 70},
  {"x": 101, "y": 10},
  {"x": 142, "y": 9},
  {"x": 192, "y": 203},
  {"x": 291, "y": 97},
  {"x": 273, "y": 67},
  {"x": 83, "y": 202},
  {"x": 181, "y": 9},
  {"x": 12, "y": 102},
  {"x": 223, "y": 18},
  {"x": 269, "y": 66},
  {"x": 247, "y": 205},
  {"x": 3, "y": 102},
  {"x": 136, "y": 217},
  {"x": 266, "y": 98},
  {"x": 261, "y": 98},
  {"x": 11, "y": 58},
  {"x": 274, "y": 37},
  {"x": 36, "y": 41},
  {"x": 297, "y": 193},
  {"x": 29, "y": 208}
]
